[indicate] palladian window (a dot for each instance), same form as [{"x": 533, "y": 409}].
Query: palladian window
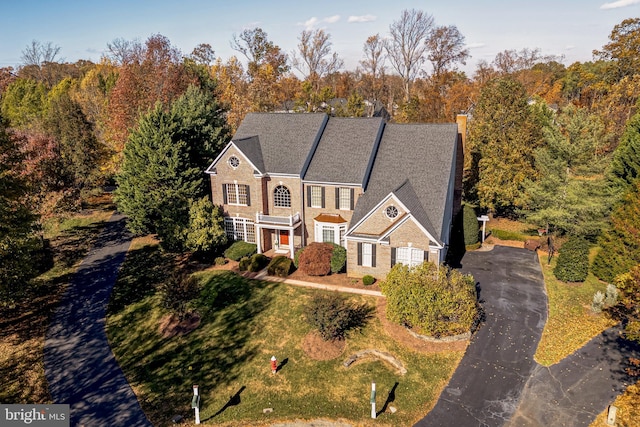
[{"x": 281, "y": 197}]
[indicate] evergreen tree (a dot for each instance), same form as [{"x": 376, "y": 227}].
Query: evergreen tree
[
  {"x": 625, "y": 165},
  {"x": 206, "y": 227},
  {"x": 163, "y": 166},
  {"x": 620, "y": 246}
]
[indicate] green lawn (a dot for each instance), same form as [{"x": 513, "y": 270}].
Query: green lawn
[
  {"x": 571, "y": 322},
  {"x": 244, "y": 323}
]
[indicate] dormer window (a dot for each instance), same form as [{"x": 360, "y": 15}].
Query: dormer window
[
  {"x": 234, "y": 162},
  {"x": 391, "y": 212}
]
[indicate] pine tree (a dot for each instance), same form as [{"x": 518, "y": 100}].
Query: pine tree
[{"x": 164, "y": 161}]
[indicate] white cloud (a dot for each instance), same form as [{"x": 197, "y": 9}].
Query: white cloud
[
  {"x": 313, "y": 22},
  {"x": 474, "y": 45},
  {"x": 362, "y": 18},
  {"x": 619, "y": 3},
  {"x": 331, "y": 19}
]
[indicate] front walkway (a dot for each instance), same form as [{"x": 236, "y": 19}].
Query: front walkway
[
  {"x": 262, "y": 275},
  {"x": 79, "y": 365}
]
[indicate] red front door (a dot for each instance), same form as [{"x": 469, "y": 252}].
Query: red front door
[{"x": 284, "y": 238}]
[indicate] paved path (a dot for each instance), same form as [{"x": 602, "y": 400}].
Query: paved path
[
  {"x": 79, "y": 365},
  {"x": 486, "y": 387},
  {"x": 263, "y": 276},
  {"x": 574, "y": 391}
]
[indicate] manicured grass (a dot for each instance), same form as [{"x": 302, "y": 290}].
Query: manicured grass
[
  {"x": 23, "y": 328},
  {"x": 244, "y": 323},
  {"x": 628, "y": 405},
  {"x": 571, "y": 322}
]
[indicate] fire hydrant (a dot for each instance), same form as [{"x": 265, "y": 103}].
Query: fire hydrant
[{"x": 274, "y": 365}]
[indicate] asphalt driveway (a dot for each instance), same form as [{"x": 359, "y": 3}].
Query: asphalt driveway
[
  {"x": 486, "y": 388},
  {"x": 79, "y": 365}
]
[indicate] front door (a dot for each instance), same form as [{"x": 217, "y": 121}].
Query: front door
[{"x": 284, "y": 238}]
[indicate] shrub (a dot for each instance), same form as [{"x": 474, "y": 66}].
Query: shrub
[
  {"x": 177, "y": 292},
  {"x": 220, "y": 261},
  {"x": 258, "y": 262},
  {"x": 239, "y": 250},
  {"x": 243, "y": 264},
  {"x": 470, "y": 225},
  {"x": 316, "y": 259},
  {"x": 434, "y": 300},
  {"x": 509, "y": 235},
  {"x": 338, "y": 258},
  {"x": 573, "y": 261},
  {"x": 368, "y": 280},
  {"x": 598, "y": 302},
  {"x": 611, "y": 295},
  {"x": 296, "y": 257},
  {"x": 334, "y": 316},
  {"x": 279, "y": 266}
]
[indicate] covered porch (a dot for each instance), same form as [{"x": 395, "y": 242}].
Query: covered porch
[{"x": 277, "y": 234}]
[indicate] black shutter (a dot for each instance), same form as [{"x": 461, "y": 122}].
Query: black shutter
[
  {"x": 246, "y": 188},
  {"x": 373, "y": 254},
  {"x": 351, "y": 197},
  {"x": 309, "y": 196},
  {"x": 337, "y": 197},
  {"x": 322, "y": 190},
  {"x": 393, "y": 257},
  {"x": 224, "y": 194},
  {"x": 359, "y": 253},
  {"x": 426, "y": 256}
]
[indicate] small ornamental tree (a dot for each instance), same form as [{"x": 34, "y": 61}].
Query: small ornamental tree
[
  {"x": 177, "y": 293},
  {"x": 315, "y": 260},
  {"x": 334, "y": 316},
  {"x": 338, "y": 258},
  {"x": 433, "y": 300},
  {"x": 573, "y": 261}
]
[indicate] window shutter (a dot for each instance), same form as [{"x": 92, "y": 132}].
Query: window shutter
[
  {"x": 393, "y": 257},
  {"x": 373, "y": 254},
  {"x": 337, "y": 197},
  {"x": 322, "y": 191},
  {"x": 359, "y": 253},
  {"x": 426, "y": 256},
  {"x": 309, "y": 196},
  {"x": 351, "y": 197},
  {"x": 246, "y": 187},
  {"x": 224, "y": 194}
]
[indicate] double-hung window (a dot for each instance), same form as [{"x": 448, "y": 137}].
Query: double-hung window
[
  {"x": 240, "y": 229},
  {"x": 235, "y": 194},
  {"x": 366, "y": 254},
  {"x": 344, "y": 198},
  {"x": 315, "y": 196}
]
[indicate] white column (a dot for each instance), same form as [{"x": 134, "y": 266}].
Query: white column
[
  {"x": 291, "y": 242},
  {"x": 258, "y": 232}
]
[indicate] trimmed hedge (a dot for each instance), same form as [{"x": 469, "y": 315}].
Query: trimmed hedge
[
  {"x": 573, "y": 261},
  {"x": 296, "y": 257},
  {"x": 279, "y": 266},
  {"x": 257, "y": 262},
  {"x": 240, "y": 250},
  {"x": 470, "y": 225},
  {"x": 243, "y": 264}
]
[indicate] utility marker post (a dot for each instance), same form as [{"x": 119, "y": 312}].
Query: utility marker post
[
  {"x": 195, "y": 403},
  {"x": 373, "y": 400}
]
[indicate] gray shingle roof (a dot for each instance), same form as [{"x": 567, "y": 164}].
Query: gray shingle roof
[
  {"x": 250, "y": 146},
  {"x": 285, "y": 139},
  {"x": 344, "y": 151},
  {"x": 414, "y": 162}
]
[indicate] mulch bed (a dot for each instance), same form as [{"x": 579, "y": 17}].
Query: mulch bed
[{"x": 171, "y": 325}]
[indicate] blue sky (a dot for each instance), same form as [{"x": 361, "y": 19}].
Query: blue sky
[{"x": 572, "y": 28}]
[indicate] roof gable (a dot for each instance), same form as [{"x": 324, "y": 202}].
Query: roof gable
[
  {"x": 414, "y": 162},
  {"x": 345, "y": 150},
  {"x": 286, "y": 140}
]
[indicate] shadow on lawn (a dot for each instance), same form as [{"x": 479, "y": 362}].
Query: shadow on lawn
[
  {"x": 391, "y": 397},
  {"x": 233, "y": 401},
  {"x": 210, "y": 356}
]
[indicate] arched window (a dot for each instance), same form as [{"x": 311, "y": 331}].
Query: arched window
[{"x": 281, "y": 197}]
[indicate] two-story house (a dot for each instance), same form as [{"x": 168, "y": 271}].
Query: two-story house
[{"x": 386, "y": 192}]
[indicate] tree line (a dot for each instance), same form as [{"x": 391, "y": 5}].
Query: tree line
[{"x": 552, "y": 144}]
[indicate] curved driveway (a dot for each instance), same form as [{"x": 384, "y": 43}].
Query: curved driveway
[
  {"x": 79, "y": 365},
  {"x": 486, "y": 387}
]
